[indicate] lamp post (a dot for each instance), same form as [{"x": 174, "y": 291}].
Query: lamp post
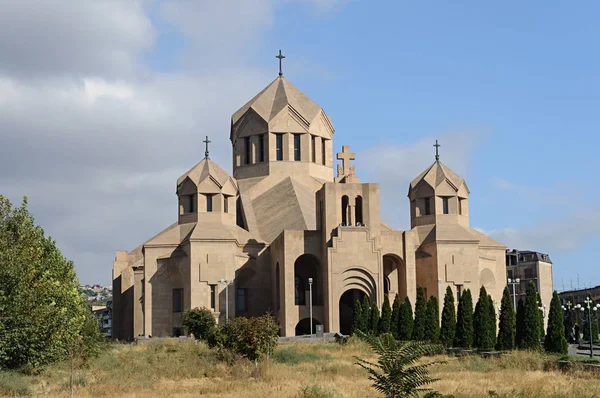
[
  {"x": 310, "y": 282},
  {"x": 588, "y": 304},
  {"x": 226, "y": 283},
  {"x": 514, "y": 282},
  {"x": 567, "y": 308}
]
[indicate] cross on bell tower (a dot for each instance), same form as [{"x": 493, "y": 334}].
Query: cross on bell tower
[
  {"x": 437, "y": 154},
  {"x": 281, "y": 57},
  {"x": 206, "y": 141},
  {"x": 345, "y": 172}
]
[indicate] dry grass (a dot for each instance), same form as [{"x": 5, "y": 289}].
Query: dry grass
[{"x": 322, "y": 370}]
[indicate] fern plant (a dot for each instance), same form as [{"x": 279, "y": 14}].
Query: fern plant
[{"x": 395, "y": 374}]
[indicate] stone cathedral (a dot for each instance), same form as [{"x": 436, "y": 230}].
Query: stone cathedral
[{"x": 248, "y": 243}]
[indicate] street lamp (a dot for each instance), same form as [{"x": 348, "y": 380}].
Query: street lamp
[
  {"x": 588, "y": 304},
  {"x": 514, "y": 282},
  {"x": 310, "y": 282},
  {"x": 226, "y": 283}
]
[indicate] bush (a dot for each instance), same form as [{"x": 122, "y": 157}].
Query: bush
[
  {"x": 374, "y": 322},
  {"x": 395, "y": 316},
  {"x": 432, "y": 324},
  {"x": 200, "y": 322},
  {"x": 506, "y": 333},
  {"x": 555, "y": 337},
  {"x": 448, "y": 319},
  {"x": 357, "y": 318},
  {"x": 386, "y": 316},
  {"x": 484, "y": 322},
  {"x": 418, "y": 332},
  {"x": 463, "y": 337},
  {"x": 530, "y": 339},
  {"x": 253, "y": 338},
  {"x": 405, "y": 321}
]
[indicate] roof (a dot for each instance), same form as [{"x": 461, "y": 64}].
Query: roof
[
  {"x": 205, "y": 169},
  {"x": 436, "y": 174},
  {"x": 452, "y": 233}
]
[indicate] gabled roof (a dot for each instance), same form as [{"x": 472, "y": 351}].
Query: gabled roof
[
  {"x": 207, "y": 169},
  {"x": 436, "y": 174}
]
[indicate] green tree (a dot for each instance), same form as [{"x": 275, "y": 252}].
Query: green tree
[
  {"x": 492, "y": 318},
  {"x": 386, "y": 316},
  {"x": 569, "y": 321},
  {"x": 395, "y": 373},
  {"x": 200, "y": 322},
  {"x": 432, "y": 324},
  {"x": 43, "y": 315},
  {"x": 366, "y": 314},
  {"x": 374, "y": 322},
  {"x": 520, "y": 322},
  {"x": 395, "y": 316},
  {"x": 555, "y": 340},
  {"x": 357, "y": 318},
  {"x": 253, "y": 338},
  {"x": 405, "y": 321},
  {"x": 448, "y": 319},
  {"x": 506, "y": 333},
  {"x": 541, "y": 313},
  {"x": 484, "y": 337},
  {"x": 418, "y": 332},
  {"x": 586, "y": 322},
  {"x": 530, "y": 339},
  {"x": 463, "y": 337}
]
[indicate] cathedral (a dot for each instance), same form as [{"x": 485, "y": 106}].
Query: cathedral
[{"x": 282, "y": 234}]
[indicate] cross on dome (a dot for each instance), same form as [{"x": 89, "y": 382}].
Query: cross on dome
[
  {"x": 437, "y": 154},
  {"x": 281, "y": 57},
  {"x": 206, "y": 141}
]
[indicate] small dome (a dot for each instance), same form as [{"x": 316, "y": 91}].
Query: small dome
[
  {"x": 438, "y": 173},
  {"x": 207, "y": 171}
]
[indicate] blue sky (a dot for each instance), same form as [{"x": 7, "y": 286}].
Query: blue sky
[{"x": 510, "y": 89}]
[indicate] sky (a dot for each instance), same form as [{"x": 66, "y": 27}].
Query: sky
[{"x": 103, "y": 104}]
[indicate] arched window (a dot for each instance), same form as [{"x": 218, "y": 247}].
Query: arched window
[
  {"x": 344, "y": 210},
  {"x": 358, "y": 211}
]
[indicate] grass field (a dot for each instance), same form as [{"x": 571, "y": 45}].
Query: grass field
[{"x": 301, "y": 370}]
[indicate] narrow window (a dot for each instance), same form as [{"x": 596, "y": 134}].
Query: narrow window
[
  {"x": 261, "y": 148},
  {"x": 445, "y": 204},
  {"x": 279, "y": 146},
  {"x": 213, "y": 290},
  {"x": 177, "y": 300},
  {"x": 225, "y": 204},
  {"x": 344, "y": 210},
  {"x": 313, "y": 148},
  {"x": 358, "y": 210},
  {"x": 191, "y": 203},
  {"x": 297, "y": 147},
  {"x": 299, "y": 293},
  {"x": 460, "y": 206},
  {"x": 427, "y": 206},
  {"x": 247, "y": 149},
  {"x": 209, "y": 198},
  {"x": 458, "y": 291},
  {"x": 323, "y": 140},
  {"x": 241, "y": 300}
]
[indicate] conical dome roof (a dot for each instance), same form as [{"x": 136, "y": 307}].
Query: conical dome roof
[
  {"x": 207, "y": 169},
  {"x": 277, "y": 96},
  {"x": 436, "y": 174}
]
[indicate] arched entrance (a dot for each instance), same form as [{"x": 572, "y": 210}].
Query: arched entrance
[
  {"x": 307, "y": 266},
  {"x": 394, "y": 274},
  {"x": 303, "y": 327},
  {"x": 346, "y": 308}
]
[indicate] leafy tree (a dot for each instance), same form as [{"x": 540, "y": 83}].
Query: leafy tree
[
  {"x": 555, "y": 340},
  {"x": 374, "y": 322},
  {"x": 395, "y": 316},
  {"x": 43, "y": 315},
  {"x": 519, "y": 322},
  {"x": 464, "y": 321},
  {"x": 395, "y": 373},
  {"x": 357, "y": 318},
  {"x": 448, "y": 319},
  {"x": 418, "y": 332},
  {"x": 506, "y": 334},
  {"x": 405, "y": 321},
  {"x": 432, "y": 322},
  {"x": 366, "y": 314},
  {"x": 253, "y": 338},
  {"x": 200, "y": 322},
  {"x": 484, "y": 327},
  {"x": 586, "y": 322},
  {"x": 386, "y": 316},
  {"x": 530, "y": 339}
]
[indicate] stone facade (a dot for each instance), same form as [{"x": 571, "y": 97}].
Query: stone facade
[{"x": 283, "y": 219}]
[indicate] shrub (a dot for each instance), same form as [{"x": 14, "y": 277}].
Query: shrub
[
  {"x": 366, "y": 314},
  {"x": 14, "y": 384},
  {"x": 200, "y": 322},
  {"x": 530, "y": 339},
  {"x": 463, "y": 337},
  {"x": 520, "y": 323},
  {"x": 484, "y": 322},
  {"x": 432, "y": 322},
  {"x": 405, "y": 321},
  {"x": 395, "y": 373},
  {"x": 253, "y": 338},
  {"x": 418, "y": 332},
  {"x": 555, "y": 337},
  {"x": 357, "y": 318},
  {"x": 386, "y": 316},
  {"x": 374, "y": 322},
  {"x": 448, "y": 319},
  {"x": 395, "y": 316},
  {"x": 506, "y": 333}
]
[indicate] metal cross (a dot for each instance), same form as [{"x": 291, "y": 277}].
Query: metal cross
[
  {"x": 345, "y": 156},
  {"x": 281, "y": 57},
  {"x": 437, "y": 154},
  {"x": 206, "y": 141},
  {"x": 588, "y": 301}
]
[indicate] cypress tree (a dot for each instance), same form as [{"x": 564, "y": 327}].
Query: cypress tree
[
  {"x": 374, "y": 324},
  {"x": 555, "y": 337},
  {"x": 448, "y": 319},
  {"x": 418, "y": 332},
  {"x": 463, "y": 337},
  {"x": 492, "y": 317},
  {"x": 484, "y": 337},
  {"x": 386, "y": 316},
  {"x": 520, "y": 323},
  {"x": 405, "y": 321},
  {"x": 432, "y": 325},
  {"x": 395, "y": 317},
  {"x": 356, "y": 318},
  {"x": 540, "y": 305},
  {"x": 506, "y": 334},
  {"x": 366, "y": 315},
  {"x": 531, "y": 322},
  {"x": 586, "y": 322},
  {"x": 568, "y": 321}
]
